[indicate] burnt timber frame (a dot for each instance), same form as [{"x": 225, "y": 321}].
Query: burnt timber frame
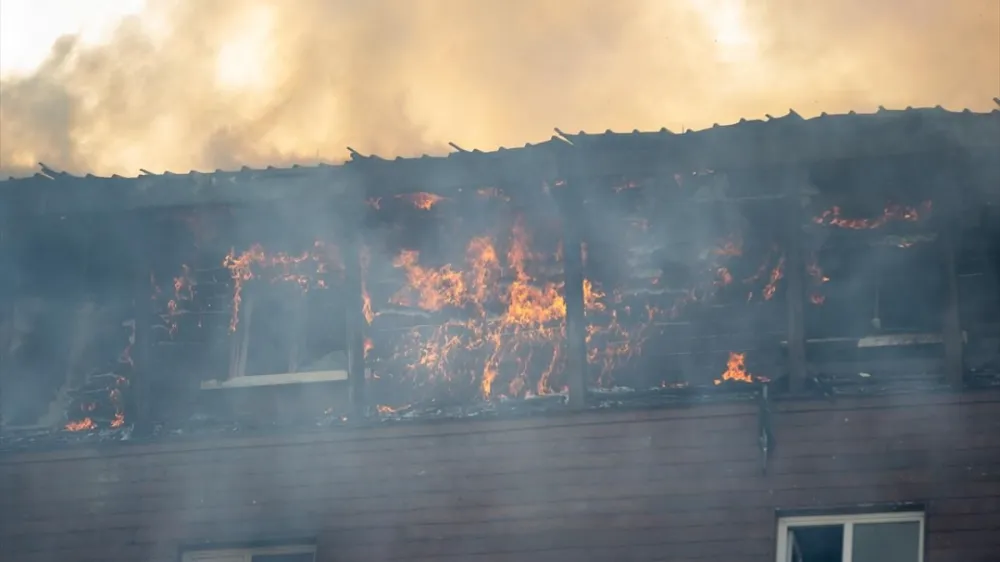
[
  {"x": 789, "y": 143},
  {"x": 793, "y": 179}
]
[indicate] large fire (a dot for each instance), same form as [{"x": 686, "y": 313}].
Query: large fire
[
  {"x": 500, "y": 314},
  {"x": 494, "y": 321}
]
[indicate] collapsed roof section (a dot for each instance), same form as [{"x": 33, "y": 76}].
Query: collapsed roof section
[{"x": 783, "y": 141}]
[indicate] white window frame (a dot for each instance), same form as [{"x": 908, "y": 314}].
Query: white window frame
[
  {"x": 240, "y": 344},
  {"x": 246, "y": 554},
  {"x": 784, "y": 552}
]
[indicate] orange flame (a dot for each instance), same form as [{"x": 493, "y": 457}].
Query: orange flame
[
  {"x": 818, "y": 278},
  {"x": 85, "y": 424},
  {"x": 735, "y": 369},
  {"x": 532, "y": 313},
  {"x": 892, "y": 212},
  {"x": 366, "y": 299},
  {"x": 422, "y": 200},
  {"x": 776, "y": 275}
]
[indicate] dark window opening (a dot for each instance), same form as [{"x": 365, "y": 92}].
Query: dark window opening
[
  {"x": 286, "y": 329},
  {"x": 817, "y": 544}
]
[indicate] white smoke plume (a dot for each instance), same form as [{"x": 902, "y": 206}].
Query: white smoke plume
[{"x": 194, "y": 84}]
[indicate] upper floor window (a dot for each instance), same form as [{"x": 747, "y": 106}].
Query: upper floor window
[{"x": 870, "y": 537}]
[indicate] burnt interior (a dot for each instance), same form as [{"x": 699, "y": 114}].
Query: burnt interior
[{"x": 685, "y": 290}]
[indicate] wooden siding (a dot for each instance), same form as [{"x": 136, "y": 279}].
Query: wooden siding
[{"x": 671, "y": 484}]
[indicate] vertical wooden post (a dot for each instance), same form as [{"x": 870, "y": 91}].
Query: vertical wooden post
[
  {"x": 138, "y": 407},
  {"x": 793, "y": 181},
  {"x": 350, "y": 213},
  {"x": 569, "y": 197},
  {"x": 951, "y": 325},
  {"x": 949, "y": 220}
]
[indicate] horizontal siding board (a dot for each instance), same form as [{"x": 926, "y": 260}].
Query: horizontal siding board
[{"x": 674, "y": 484}]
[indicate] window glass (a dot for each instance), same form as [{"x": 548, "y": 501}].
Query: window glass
[
  {"x": 817, "y": 543},
  {"x": 886, "y": 542}
]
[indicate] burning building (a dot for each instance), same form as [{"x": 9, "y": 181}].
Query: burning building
[{"x": 775, "y": 340}]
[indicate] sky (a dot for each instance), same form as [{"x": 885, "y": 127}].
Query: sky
[
  {"x": 111, "y": 86},
  {"x": 29, "y": 28}
]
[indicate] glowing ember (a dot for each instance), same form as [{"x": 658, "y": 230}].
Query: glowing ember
[
  {"x": 730, "y": 247},
  {"x": 892, "y": 212},
  {"x": 85, "y": 424},
  {"x": 818, "y": 278},
  {"x": 724, "y": 276},
  {"x": 387, "y": 410},
  {"x": 776, "y": 275},
  {"x": 421, "y": 200}
]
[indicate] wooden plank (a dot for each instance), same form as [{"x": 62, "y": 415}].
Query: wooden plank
[
  {"x": 138, "y": 407},
  {"x": 349, "y": 212},
  {"x": 793, "y": 181},
  {"x": 949, "y": 228},
  {"x": 576, "y": 323},
  {"x": 569, "y": 197}
]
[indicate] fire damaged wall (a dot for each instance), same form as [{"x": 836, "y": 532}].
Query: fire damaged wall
[
  {"x": 240, "y": 308},
  {"x": 670, "y": 484},
  {"x": 69, "y": 326}
]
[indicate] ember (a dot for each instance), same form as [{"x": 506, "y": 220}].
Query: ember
[
  {"x": 892, "y": 212},
  {"x": 421, "y": 200}
]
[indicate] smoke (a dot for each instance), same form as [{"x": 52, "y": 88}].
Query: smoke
[{"x": 199, "y": 85}]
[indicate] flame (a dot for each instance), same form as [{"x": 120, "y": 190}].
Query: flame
[
  {"x": 386, "y": 410},
  {"x": 85, "y": 424},
  {"x": 818, "y": 279},
  {"x": 183, "y": 291},
  {"x": 531, "y": 314},
  {"x": 422, "y": 200},
  {"x": 891, "y": 212},
  {"x": 735, "y": 369},
  {"x": 366, "y": 299},
  {"x": 282, "y": 266},
  {"x": 776, "y": 275}
]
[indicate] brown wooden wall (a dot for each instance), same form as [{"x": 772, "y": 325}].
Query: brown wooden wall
[{"x": 672, "y": 484}]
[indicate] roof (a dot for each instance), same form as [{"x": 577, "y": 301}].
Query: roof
[{"x": 754, "y": 143}]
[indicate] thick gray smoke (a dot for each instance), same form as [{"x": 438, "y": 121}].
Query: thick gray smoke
[{"x": 194, "y": 84}]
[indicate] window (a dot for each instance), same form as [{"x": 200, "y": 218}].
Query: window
[
  {"x": 264, "y": 554},
  {"x": 872, "y": 537},
  {"x": 287, "y": 335}
]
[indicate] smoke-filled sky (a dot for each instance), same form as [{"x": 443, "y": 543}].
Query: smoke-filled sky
[{"x": 202, "y": 84}]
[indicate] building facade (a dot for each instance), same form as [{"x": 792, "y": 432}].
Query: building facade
[{"x": 767, "y": 341}]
